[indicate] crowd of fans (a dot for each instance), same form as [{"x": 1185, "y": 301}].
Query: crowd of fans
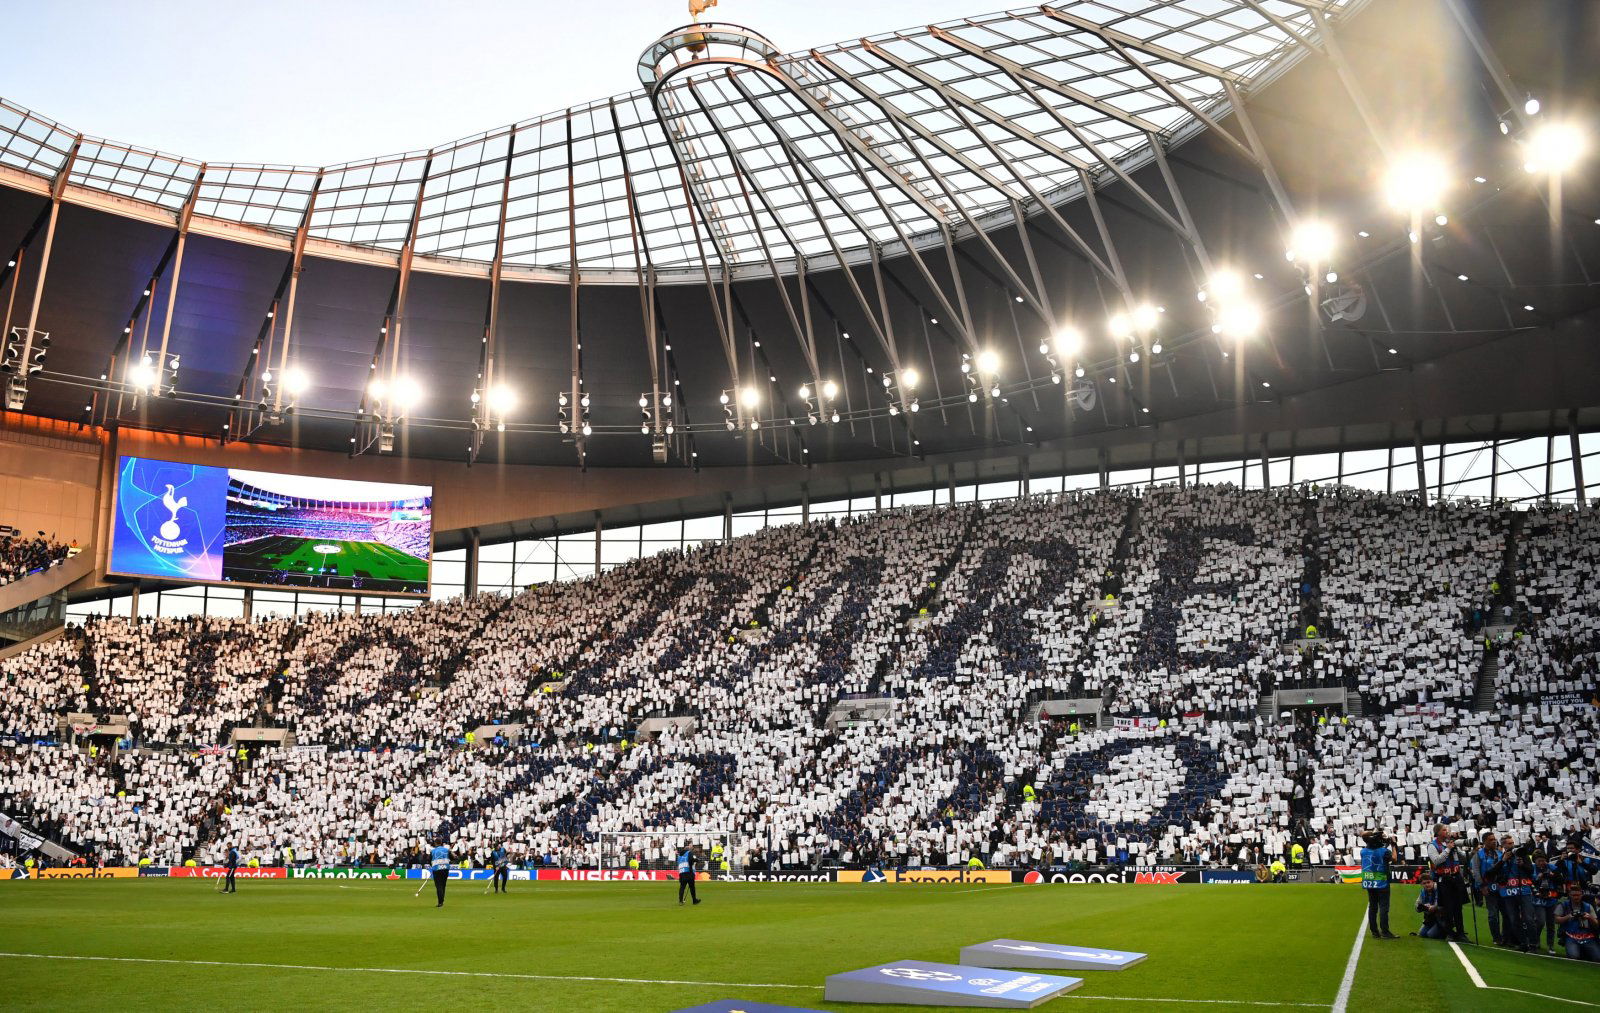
[
  {"x": 21, "y": 555},
  {"x": 963, "y": 617}
]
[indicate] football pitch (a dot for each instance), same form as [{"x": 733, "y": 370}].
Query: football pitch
[
  {"x": 262, "y": 560},
  {"x": 178, "y": 944}
]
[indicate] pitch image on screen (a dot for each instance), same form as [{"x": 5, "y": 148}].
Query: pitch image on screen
[{"x": 327, "y": 534}]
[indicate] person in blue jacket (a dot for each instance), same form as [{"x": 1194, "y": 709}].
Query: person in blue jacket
[
  {"x": 439, "y": 862},
  {"x": 1375, "y": 859}
]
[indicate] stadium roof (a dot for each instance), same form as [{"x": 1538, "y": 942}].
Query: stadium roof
[
  {"x": 963, "y": 195},
  {"x": 873, "y": 141}
]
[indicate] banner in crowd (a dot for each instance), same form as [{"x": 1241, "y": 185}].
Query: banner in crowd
[
  {"x": 346, "y": 872},
  {"x": 84, "y": 872},
  {"x": 1100, "y": 874},
  {"x": 1137, "y": 722},
  {"x": 221, "y": 872}
]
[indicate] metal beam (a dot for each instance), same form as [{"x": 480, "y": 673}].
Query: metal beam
[{"x": 1064, "y": 90}]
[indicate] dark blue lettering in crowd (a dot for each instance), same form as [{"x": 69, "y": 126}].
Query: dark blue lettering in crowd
[
  {"x": 1177, "y": 582},
  {"x": 1065, "y": 796}
]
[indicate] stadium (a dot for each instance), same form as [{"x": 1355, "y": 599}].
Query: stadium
[{"x": 878, "y": 524}]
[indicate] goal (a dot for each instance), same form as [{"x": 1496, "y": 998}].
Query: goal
[{"x": 659, "y": 849}]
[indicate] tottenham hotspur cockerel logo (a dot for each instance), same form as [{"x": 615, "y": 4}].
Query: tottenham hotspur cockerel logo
[{"x": 170, "y": 540}]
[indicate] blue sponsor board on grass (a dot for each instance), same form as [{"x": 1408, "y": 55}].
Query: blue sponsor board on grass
[
  {"x": 921, "y": 983},
  {"x": 1047, "y": 956},
  {"x": 1227, "y": 876},
  {"x": 744, "y": 1006}
]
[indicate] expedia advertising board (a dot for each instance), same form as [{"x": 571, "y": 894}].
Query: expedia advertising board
[
  {"x": 112, "y": 872},
  {"x": 926, "y": 876}
]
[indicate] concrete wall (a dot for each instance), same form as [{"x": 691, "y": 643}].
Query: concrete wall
[{"x": 48, "y": 483}]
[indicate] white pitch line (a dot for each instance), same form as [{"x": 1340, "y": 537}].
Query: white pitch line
[
  {"x": 1341, "y": 1002},
  {"x": 1472, "y": 972},
  {"x": 401, "y": 970},
  {"x": 574, "y": 977},
  {"x": 1477, "y": 979},
  {"x": 1209, "y": 1002}
]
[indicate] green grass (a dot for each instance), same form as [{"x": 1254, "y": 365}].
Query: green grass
[
  {"x": 1285, "y": 944},
  {"x": 261, "y": 560}
]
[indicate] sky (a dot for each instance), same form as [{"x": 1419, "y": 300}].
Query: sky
[{"x": 318, "y": 83}]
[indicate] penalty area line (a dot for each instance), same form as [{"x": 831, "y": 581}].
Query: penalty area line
[
  {"x": 1477, "y": 980},
  {"x": 399, "y": 970}
]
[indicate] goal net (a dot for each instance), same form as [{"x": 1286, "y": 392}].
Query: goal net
[{"x": 720, "y": 850}]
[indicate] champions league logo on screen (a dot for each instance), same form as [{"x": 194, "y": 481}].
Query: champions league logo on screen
[{"x": 169, "y": 519}]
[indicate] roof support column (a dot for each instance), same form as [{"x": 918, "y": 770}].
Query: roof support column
[
  {"x": 58, "y": 189},
  {"x": 1577, "y": 459}
]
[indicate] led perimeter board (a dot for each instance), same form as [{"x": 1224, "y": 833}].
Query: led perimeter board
[{"x": 202, "y": 524}]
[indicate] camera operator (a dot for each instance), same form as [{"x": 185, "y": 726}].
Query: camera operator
[
  {"x": 1375, "y": 860},
  {"x": 1486, "y": 872},
  {"x": 1577, "y": 919},
  {"x": 1445, "y": 859}
]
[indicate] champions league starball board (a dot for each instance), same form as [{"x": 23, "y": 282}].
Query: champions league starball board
[
  {"x": 1047, "y": 956},
  {"x": 921, "y": 983},
  {"x": 741, "y": 1006}
]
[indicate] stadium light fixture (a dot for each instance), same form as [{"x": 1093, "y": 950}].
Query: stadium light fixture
[
  {"x": 1067, "y": 342},
  {"x": 1312, "y": 241},
  {"x": 830, "y": 390},
  {"x": 909, "y": 378},
  {"x": 502, "y": 400},
  {"x": 142, "y": 374},
  {"x": 295, "y": 381},
  {"x": 406, "y": 394},
  {"x": 1240, "y": 321},
  {"x": 1145, "y": 318},
  {"x": 988, "y": 362},
  {"x": 1555, "y": 148},
  {"x": 749, "y": 397},
  {"x": 1416, "y": 183}
]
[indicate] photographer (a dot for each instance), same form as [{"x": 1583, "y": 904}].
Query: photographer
[
  {"x": 1375, "y": 860},
  {"x": 1547, "y": 891},
  {"x": 1577, "y": 919},
  {"x": 1486, "y": 872},
  {"x": 1516, "y": 896},
  {"x": 1445, "y": 859},
  {"x": 1428, "y": 907}
]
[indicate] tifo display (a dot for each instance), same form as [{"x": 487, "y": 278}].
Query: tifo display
[{"x": 206, "y": 524}]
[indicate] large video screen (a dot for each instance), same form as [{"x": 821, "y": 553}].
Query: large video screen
[{"x": 192, "y": 522}]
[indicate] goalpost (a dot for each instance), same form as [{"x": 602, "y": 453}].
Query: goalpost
[{"x": 659, "y": 849}]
